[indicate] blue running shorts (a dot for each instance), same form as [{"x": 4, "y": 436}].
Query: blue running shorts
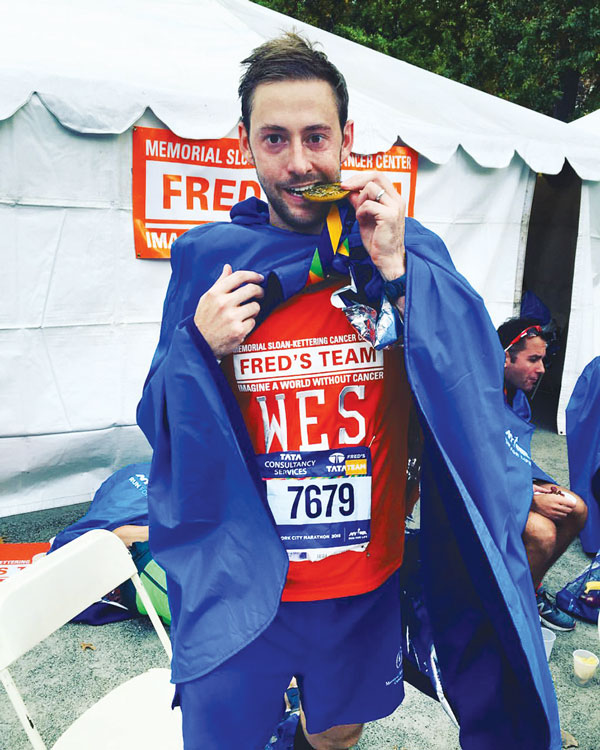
[{"x": 346, "y": 655}]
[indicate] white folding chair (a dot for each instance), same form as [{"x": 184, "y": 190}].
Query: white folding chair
[{"x": 40, "y": 599}]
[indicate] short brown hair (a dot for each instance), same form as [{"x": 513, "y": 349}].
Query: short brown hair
[
  {"x": 510, "y": 329},
  {"x": 290, "y": 57}
]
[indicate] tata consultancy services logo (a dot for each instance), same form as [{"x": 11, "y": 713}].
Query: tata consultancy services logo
[{"x": 337, "y": 458}]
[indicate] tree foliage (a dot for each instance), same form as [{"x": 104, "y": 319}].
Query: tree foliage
[{"x": 542, "y": 54}]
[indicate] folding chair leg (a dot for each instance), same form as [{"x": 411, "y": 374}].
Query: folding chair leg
[
  {"x": 152, "y": 614},
  {"x": 21, "y": 710}
]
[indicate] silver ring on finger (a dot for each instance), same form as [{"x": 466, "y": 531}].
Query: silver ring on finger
[{"x": 379, "y": 195}]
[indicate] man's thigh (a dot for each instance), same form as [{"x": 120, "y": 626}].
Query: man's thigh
[
  {"x": 353, "y": 671},
  {"x": 345, "y": 653},
  {"x": 238, "y": 704},
  {"x": 539, "y": 528}
]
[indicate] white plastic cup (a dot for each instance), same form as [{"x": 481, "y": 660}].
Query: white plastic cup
[
  {"x": 549, "y": 637},
  {"x": 585, "y": 664}
]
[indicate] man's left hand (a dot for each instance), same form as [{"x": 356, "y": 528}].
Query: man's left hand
[
  {"x": 550, "y": 501},
  {"x": 381, "y": 221}
]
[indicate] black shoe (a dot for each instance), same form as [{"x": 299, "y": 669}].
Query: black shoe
[{"x": 550, "y": 614}]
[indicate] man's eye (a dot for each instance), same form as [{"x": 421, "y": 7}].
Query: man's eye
[
  {"x": 273, "y": 139},
  {"x": 316, "y": 138}
]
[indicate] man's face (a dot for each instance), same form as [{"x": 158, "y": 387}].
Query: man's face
[
  {"x": 295, "y": 140},
  {"x": 528, "y": 366}
]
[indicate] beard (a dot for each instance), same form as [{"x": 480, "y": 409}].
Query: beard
[
  {"x": 307, "y": 217},
  {"x": 308, "y": 221}
]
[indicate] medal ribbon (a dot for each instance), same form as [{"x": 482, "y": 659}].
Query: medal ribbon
[{"x": 332, "y": 242}]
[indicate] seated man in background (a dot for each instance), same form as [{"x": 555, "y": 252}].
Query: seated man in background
[{"x": 557, "y": 515}]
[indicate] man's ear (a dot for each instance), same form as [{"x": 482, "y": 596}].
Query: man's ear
[
  {"x": 347, "y": 140},
  {"x": 244, "y": 141},
  {"x": 506, "y": 360}
]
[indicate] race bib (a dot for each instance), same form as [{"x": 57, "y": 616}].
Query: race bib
[{"x": 321, "y": 500}]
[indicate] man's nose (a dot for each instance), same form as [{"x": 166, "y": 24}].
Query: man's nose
[
  {"x": 299, "y": 160},
  {"x": 541, "y": 368}
]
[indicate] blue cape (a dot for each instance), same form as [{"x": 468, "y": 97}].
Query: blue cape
[
  {"x": 583, "y": 445},
  {"x": 522, "y": 408},
  {"x": 121, "y": 499},
  {"x": 220, "y": 541}
]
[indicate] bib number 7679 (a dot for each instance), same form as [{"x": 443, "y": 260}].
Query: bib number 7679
[{"x": 328, "y": 500}]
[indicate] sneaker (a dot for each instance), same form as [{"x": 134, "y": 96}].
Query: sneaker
[{"x": 550, "y": 614}]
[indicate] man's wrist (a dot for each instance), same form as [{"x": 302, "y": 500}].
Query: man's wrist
[
  {"x": 389, "y": 273},
  {"x": 393, "y": 266},
  {"x": 394, "y": 289}
]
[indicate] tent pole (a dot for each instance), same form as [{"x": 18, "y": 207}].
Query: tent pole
[{"x": 523, "y": 234}]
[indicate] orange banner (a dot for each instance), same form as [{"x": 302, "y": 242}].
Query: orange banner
[
  {"x": 15, "y": 557},
  {"x": 178, "y": 183}
]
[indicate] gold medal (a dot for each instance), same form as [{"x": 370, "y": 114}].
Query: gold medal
[{"x": 325, "y": 193}]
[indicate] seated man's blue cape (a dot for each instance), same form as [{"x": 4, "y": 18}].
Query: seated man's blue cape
[
  {"x": 225, "y": 564},
  {"x": 522, "y": 409},
  {"x": 583, "y": 444}
]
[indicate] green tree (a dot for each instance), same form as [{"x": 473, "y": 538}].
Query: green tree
[{"x": 542, "y": 54}]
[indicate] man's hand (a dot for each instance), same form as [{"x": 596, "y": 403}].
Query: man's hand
[
  {"x": 550, "y": 502},
  {"x": 225, "y": 314},
  {"x": 381, "y": 221}
]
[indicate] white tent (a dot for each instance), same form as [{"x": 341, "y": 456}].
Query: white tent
[
  {"x": 584, "y": 344},
  {"x": 79, "y": 314}
]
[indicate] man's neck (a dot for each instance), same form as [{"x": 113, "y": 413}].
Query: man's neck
[{"x": 313, "y": 231}]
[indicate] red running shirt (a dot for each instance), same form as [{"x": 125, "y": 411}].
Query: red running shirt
[{"x": 305, "y": 383}]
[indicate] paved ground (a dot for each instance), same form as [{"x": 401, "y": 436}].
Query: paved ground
[{"x": 60, "y": 679}]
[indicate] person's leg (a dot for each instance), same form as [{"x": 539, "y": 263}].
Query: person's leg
[
  {"x": 240, "y": 702},
  {"x": 337, "y": 738},
  {"x": 568, "y": 528},
  {"x": 546, "y": 540},
  {"x": 353, "y": 672},
  {"x": 539, "y": 538}
]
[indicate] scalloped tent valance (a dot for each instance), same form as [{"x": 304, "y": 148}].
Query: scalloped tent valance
[{"x": 97, "y": 67}]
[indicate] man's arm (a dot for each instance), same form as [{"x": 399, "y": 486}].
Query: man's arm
[
  {"x": 223, "y": 315},
  {"x": 131, "y": 533},
  {"x": 380, "y": 213}
]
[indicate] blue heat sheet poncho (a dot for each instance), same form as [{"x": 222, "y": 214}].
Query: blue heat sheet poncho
[
  {"x": 225, "y": 564},
  {"x": 583, "y": 444}
]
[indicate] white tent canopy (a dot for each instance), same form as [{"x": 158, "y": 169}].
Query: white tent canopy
[
  {"x": 588, "y": 124},
  {"x": 79, "y": 314},
  {"x": 97, "y": 67}
]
